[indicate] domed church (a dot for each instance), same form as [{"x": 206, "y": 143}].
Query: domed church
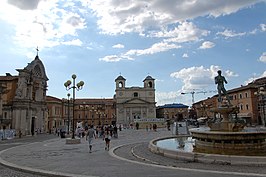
[{"x": 23, "y": 99}]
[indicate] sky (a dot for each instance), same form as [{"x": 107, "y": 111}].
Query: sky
[{"x": 180, "y": 43}]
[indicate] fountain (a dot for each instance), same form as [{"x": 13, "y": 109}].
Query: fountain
[
  {"x": 226, "y": 139},
  {"x": 228, "y": 136}
]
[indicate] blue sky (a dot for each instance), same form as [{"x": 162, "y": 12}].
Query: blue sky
[{"x": 181, "y": 44}]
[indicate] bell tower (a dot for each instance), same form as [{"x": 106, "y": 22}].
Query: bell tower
[
  {"x": 149, "y": 82},
  {"x": 120, "y": 82}
]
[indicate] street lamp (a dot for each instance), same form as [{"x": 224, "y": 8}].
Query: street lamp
[
  {"x": 68, "y": 113},
  {"x": 77, "y": 87}
]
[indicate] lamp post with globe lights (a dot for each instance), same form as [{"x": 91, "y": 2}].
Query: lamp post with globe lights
[
  {"x": 75, "y": 87},
  {"x": 68, "y": 113}
]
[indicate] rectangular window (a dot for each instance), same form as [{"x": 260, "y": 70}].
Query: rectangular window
[{"x": 5, "y": 115}]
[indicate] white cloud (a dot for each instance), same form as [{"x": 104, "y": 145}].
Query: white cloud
[
  {"x": 119, "y": 46},
  {"x": 49, "y": 23},
  {"x": 254, "y": 78},
  {"x": 207, "y": 45},
  {"x": 41, "y": 23},
  {"x": 263, "y": 57},
  {"x": 166, "y": 97},
  {"x": 155, "y": 48},
  {"x": 184, "y": 32},
  {"x": 131, "y": 54},
  {"x": 231, "y": 74},
  {"x": 111, "y": 58},
  {"x": 119, "y": 17},
  {"x": 263, "y": 27},
  {"x": 229, "y": 33},
  {"x": 198, "y": 78},
  {"x": 185, "y": 55},
  {"x": 75, "y": 42}
]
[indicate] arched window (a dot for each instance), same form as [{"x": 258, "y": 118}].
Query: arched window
[
  {"x": 120, "y": 84},
  {"x": 135, "y": 94},
  {"x": 150, "y": 84}
]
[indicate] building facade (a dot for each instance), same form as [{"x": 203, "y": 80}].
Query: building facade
[
  {"x": 97, "y": 112},
  {"x": 23, "y": 99},
  {"x": 87, "y": 111},
  {"x": 173, "y": 112},
  {"x": 134, "y": 102},
  {"x": 57, "y": 116},
  {"x": 250, "y": 100}
]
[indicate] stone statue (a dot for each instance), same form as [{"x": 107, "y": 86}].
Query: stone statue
[{"x": 220, "y": 80}]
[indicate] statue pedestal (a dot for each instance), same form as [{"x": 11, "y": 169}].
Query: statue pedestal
[{"x": 225, "y": 124}]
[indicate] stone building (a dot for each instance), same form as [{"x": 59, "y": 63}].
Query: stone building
[
  {"x": 88, "y": 111},
  {"x": 56, "y": 107},
  {"x": 172, "y": 112},
  {"x": 134, "y": 103},
  {"x": 95, "y": 111},
  {"x": 23, "y": 99}
]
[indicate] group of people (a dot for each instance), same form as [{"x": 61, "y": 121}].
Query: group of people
[{"x": 106, "y": 133}]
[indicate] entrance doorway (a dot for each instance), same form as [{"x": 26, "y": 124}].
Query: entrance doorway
[{"x": 32, "y": 125}]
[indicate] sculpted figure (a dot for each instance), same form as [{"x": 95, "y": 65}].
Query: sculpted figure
[{"x": 220, "y": 80}]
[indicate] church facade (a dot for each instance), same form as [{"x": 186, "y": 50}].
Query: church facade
[
  {"x": 135, "y": 103},
  {"x": 23, "y": 99}
]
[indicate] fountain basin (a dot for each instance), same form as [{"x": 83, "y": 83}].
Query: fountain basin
[
  {"x": 192, "y": 156},
  {"x": 247, "y": 142}
]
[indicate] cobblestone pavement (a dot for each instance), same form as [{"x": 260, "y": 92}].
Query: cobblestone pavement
[
  {"x": 131, "y": 152},
  {"x": 10, "y": 172}
]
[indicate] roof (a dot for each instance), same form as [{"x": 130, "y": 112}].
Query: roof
[
  {"x": 120, "y": 78},
  {"x": 174, "y": 105},
  {"x": 8, "y": 78},
  {"x": 148, "y": 78},
  {"x": 252, "y": 85},
  {"x": 52, "y": 98},
  {"x": 94, "y": 101}
]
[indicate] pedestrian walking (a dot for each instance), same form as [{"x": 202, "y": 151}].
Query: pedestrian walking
[
  {"x": 107, "y": 140},
  {"x": 89, "y": 137}
]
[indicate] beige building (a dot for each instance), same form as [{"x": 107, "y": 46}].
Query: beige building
[
  {"x": 89, "y": 111},
  {"x": 23, "y": 99},
  {"x": 250, "y": 100},
  {"x": 133, "y": 103},
  {"x": 95, "y": 111},
  {"x": 56, "y": 111}
]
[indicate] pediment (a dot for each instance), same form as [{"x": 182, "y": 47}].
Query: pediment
[{"x": 136, "y": 101}]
